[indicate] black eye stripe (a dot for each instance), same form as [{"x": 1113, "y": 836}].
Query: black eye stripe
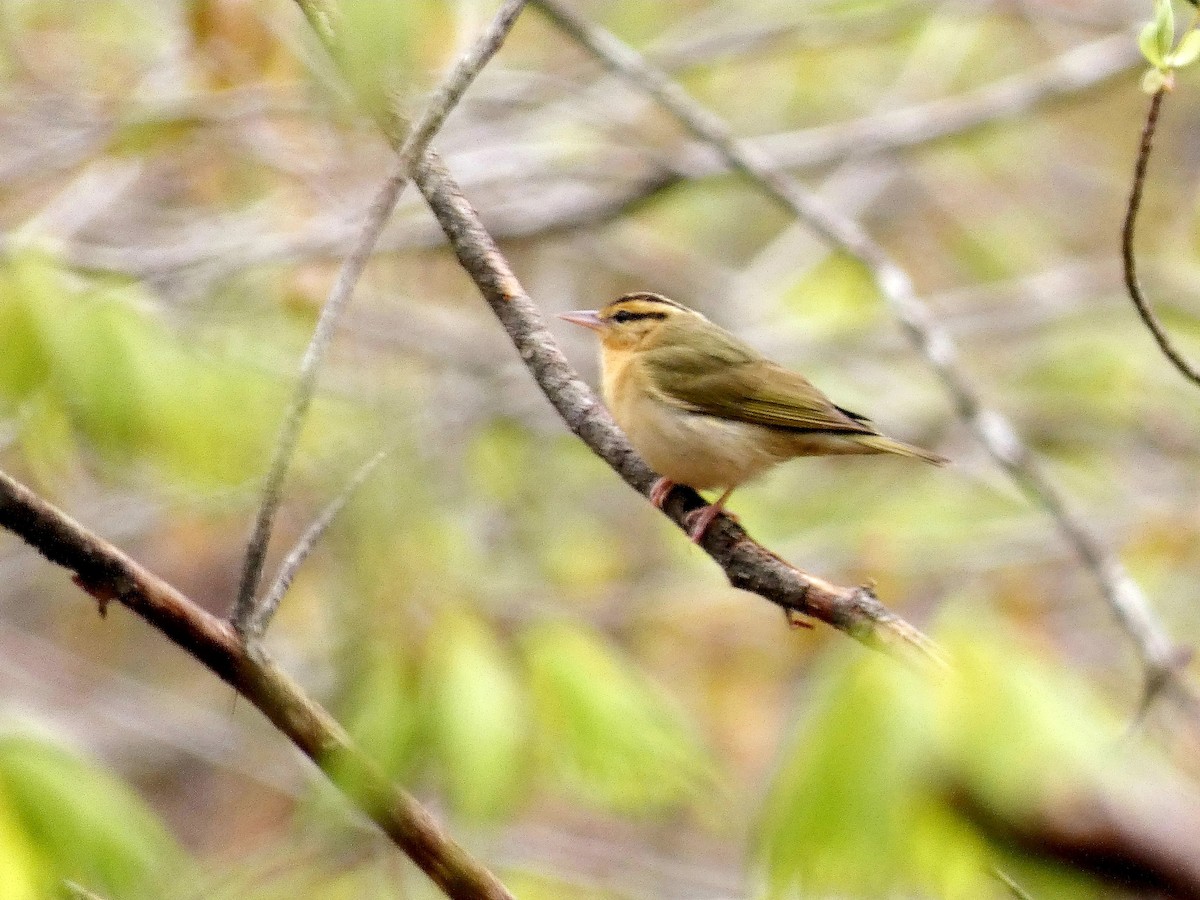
[{"x": 625, "y": 315}]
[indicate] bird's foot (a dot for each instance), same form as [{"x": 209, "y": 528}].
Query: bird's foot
[
  {"x": 658, "y": 493},
  {"x": 698, "y": 521}
]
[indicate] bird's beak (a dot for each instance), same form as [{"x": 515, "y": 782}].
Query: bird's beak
[{"x": 588, "y": 318}]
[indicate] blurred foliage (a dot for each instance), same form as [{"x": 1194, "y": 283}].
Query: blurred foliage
[
  {"x": 88, "y": 361},
  {"x": 864, "y": 801},
  {"x": 510, "y": 632},
  {"x": 610, "y": 734},
  {"x": 65, "y": 819}
]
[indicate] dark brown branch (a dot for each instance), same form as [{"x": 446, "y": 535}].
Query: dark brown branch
[
  {"x": 1128, "y": 227},
  {"x": 109, "y": 575},
  {"x": 1148, "y": 844},
  {"x": 748, "y": 565}
]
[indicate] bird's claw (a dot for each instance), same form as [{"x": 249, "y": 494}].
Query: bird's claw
[
  {"x": 698, "y": 521},
  {"x": 658, "y": 493}
]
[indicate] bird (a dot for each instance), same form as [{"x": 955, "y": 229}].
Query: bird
[{"x": 707, "y": 410}]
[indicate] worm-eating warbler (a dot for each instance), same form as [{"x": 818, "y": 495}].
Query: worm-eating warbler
[{"x": 706, "y": 410}]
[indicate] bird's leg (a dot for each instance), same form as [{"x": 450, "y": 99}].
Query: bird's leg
[
  {"x": 699, "y": 520},
  {"x": 658, "y": 493}
]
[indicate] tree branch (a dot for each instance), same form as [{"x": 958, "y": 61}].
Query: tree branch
[
  {"x": 245, "y": 608},
  {"x": 316, "y": 529},
  {"x": 1146, "y": 843},
  {"x": 1140, "y": 303},
  {"x": 747, "y": 564},
  {"x": 993, "y": 430},
  {"x": 109, "y": 575}
]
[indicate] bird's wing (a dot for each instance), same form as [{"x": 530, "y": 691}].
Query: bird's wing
[{"x": 730, "y": 380}]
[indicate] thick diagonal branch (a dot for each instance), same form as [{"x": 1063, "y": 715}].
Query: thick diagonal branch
[
  {"x": 109, "y": 575},
  {"x": 747, "y": 564}
]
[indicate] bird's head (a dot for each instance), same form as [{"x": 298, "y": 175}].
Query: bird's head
[{"x": 633, "y": 321}]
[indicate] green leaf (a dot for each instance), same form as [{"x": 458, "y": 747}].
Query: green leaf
[
  {"x": 1164, "y": 22},
  {"x": 477, "y": 716},
  {"x": 1157, "y": 37},
  {"x": 609, "y": 734},
  {"x": 1187, "y": 52},
  {"x": 1153, "y": 81},
  {"x": 861, "y": 805},
  {"x": 135, "y": 391},
  {"x": 88, "y": 826},
  {"x": 380, "y": 712},
  {"x": 1148, "y": 43},
  {"x": 47, "y": 440},
  {"x": 26, "y": 875},
  {"x": 847, "y": 813}
]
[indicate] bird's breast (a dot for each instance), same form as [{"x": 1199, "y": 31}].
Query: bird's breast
[{"x": 687, "y": 447}]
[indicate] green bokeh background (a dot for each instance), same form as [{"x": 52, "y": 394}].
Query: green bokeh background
[{"x": 511, "y": 632}]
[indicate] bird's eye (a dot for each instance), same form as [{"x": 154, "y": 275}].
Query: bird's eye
[{"x": 623, "y": 315}]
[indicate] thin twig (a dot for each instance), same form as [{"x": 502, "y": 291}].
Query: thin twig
[
  {"x": 109, "y": 575},
  {"x": 993, "y": 430},
  {"x": 439, "y": 107},
  {"x": 299, "y": 553},
  {"x": 1013, "y": 888},
  {"x": 1140, "y": 303}
]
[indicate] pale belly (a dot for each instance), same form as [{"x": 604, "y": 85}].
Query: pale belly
[{"x": 703, "y": 451}]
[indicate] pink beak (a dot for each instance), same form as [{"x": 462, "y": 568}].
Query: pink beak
[{"x": 588, "y": 318}]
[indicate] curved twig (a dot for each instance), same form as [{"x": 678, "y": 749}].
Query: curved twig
[{"x": 1140, "y": 303}]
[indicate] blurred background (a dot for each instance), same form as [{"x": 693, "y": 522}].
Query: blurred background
[{"x": 518, "y": 637}]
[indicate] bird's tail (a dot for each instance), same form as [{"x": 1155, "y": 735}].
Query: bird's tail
[{"x": 877, "y": 443}]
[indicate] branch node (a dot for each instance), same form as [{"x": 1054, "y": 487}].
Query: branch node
[{"x": 103, "y": 592}]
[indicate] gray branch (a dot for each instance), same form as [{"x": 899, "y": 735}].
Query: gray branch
[
  {"x": 994, "y": 431},
  {"x": 747, "y": 564},
  {"x": 308, "y": 541},
  {"x": 443, "y": 101}
]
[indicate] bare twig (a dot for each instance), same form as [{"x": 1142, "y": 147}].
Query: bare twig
[
  {"x": 443, "y": 101},
  {"x": 1170, "y": 351},
  {"x": 1079, "y": 69},
  {"x": 747, "y": 564},
  {"x": 299, "y": 553},
  {"x": 997, "y": 435},
  {"x": 1013, "y": 888},
  {"x": 109, "y": 575}
]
